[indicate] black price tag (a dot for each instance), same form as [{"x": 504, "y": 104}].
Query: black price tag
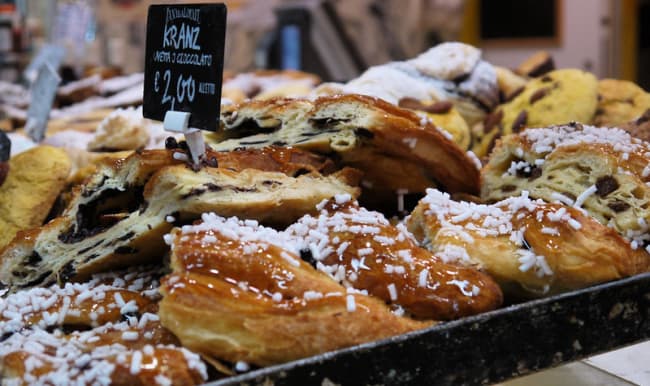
[{"x": 184, "y": 62}]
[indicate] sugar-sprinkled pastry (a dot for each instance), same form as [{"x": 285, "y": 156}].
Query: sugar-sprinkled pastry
[
  {"x": 532, "y": 248},
  {"x": 603, "y": 171},
  {"x": 362, "y": 250},
  {"x": 240, "y": 292},
  {"x": 119, "y": 216},
  {"x": 100, "y": 332}
]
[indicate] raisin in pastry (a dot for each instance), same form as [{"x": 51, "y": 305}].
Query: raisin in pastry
[{"x": 603, "y": 171}]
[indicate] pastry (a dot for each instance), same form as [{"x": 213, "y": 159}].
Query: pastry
[
  {"x": 119, "y": 216},
  {"x": 123, "y": 129},
  {"x": 394, "y": 148},
  {"x": 363, "y": 251},
  {"x": 538, "y": 64},
  {"x": 444, "y": 116},
  {"x": 33, "y": 181},
  {"x": 530, "y": 247},
  {"x": 449, "y": 72},
  {"x": 619, "y": 101},
  {"x": 639, "y": 127},
  {"x": 604, "y": 171},
  {"x": 266, "y": 84},
  {"x": 240, "y": 292},
  {"x": 104, "y": 331},
  {"x": 558, "y": 97}
]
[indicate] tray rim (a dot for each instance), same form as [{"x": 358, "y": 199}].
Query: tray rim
[{"x": 275, "y": 371}]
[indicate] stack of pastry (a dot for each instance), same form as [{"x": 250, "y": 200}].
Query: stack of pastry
[{"x": 281, "y": 244}]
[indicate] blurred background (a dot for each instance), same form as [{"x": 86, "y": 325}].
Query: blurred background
[{"x": 338, "y": 39}]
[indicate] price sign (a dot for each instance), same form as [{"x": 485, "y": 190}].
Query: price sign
[{"x": 184, "y": 62}]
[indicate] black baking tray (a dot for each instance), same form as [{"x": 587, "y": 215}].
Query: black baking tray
[{"x": 483, "y": 349}]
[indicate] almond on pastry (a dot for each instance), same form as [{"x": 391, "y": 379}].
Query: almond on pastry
[
  {"x": 530, "y": 247},
  {"x": 240, "y": 292}
]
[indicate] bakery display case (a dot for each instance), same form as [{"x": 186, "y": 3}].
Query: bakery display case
[{"x": 425, "y": 211}]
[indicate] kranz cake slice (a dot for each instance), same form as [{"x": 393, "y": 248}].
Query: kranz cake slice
[
  {"x": 120, "y": 216},
  {"x": 603, "y": 171},
  {"x": 394, "y": 148}
]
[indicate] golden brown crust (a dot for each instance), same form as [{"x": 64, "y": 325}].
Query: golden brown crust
[
  {"x": 366, "y": 133},
  {"x": 104, "y": 330},
  {"x": 227, "y": 300},
  {"x": 606, "y": 167},
  {"x": 35, "y": 179},
  {"x": 387, "y": 263},
  {"x": 531, "y": 248},
  {"x": 119, "y": 217}
]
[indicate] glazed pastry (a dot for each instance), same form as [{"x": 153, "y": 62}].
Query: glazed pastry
[
  {"x": 601, "y": 170},
  {"x": 510, "y": 84},
  {"x": 394, "y": 148},
  {"x": 119, "y": 216},
  {"x": 362, "y": 250},
  {"x": 104, "y": 331},
  {"x": 619, "y": 101},
  {"x": 240, "y": 292},
  {"x": 530, "y": 247},
  {"x": 33, "y": 181}
]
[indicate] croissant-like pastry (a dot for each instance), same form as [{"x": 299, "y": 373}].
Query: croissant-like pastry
[
  {"x": 394, "y": 148},
  {"x": 236, "y": 294},
  {"x": 104, "y": 331},
  {"x": 119, "y": 217},
  {"x": 361, "y": 249},
  {"x": 530, "y": 247}
]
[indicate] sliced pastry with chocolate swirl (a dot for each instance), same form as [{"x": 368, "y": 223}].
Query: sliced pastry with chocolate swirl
[
  {"x": 396, "y": 149},
  {"x": 118, "y": 218}
]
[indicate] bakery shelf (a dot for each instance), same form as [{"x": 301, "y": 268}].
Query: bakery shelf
[{"x": 483, "y": 349}]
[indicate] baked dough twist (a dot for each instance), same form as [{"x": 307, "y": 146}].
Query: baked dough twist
[
  {"x": 240, "y": 292},
  {"x": 394, "y": 148},
  {"x": 119, "y": 217},
  {"x": 532, "y": 248},
  {"x": 362, "y": 250}
]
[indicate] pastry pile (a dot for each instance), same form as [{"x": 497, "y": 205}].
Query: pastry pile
[{"x": 321, "y": 222}]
